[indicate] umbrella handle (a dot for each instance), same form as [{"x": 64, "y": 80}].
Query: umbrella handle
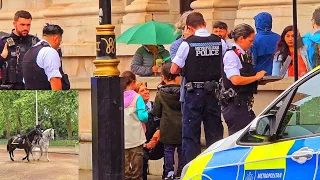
[{"x": 154, "y": 60}]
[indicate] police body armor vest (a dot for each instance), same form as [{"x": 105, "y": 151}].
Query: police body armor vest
[
  {"x": 204, "y": 59},
  {"x": 246, "y": 71},
  {"x": 35, "y": 78},
  {"x": 12, "y": 68}
]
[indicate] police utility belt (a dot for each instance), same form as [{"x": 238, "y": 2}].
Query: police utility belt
[
  {"x": 209, "y": 86},
  {"x": 231, "y": 96}
]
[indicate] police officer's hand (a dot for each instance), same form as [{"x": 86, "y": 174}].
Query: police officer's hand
[
  {"x": 264, "y": 82},
  {"x": 186, "y": 33},
  {"x": 261, "y": 74},
  {"x": 155, "y": 69},
  {"x": 4, "y": 53}
]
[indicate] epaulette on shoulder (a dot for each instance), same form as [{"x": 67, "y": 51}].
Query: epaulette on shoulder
[
  {"x": 231, "y": 48},
  {"x": 4, "y": 37}
]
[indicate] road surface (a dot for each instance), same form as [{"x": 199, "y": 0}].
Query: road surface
[{"x": 60, "y": 167}]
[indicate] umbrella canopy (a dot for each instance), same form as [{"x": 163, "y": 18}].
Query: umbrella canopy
[
  {"x": 2, "y": 34},
  {"x": 149, "y": 33}
]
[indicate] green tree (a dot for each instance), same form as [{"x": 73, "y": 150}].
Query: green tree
[{"x": 56, "y": 109}]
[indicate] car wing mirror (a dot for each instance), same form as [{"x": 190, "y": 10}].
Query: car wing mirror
[{"x": 264, "y": 128}]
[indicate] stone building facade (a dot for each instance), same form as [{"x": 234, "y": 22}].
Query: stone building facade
[{"x": 80, "y": 17}]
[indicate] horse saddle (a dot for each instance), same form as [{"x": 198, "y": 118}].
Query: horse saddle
[{"x": 18, "y": 140}]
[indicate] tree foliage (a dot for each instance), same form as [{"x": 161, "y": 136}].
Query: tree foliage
[{"x": 56, "y": 109}]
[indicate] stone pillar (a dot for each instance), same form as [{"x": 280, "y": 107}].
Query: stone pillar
[
  {"x": 85, "y": 135},
  {"x": 78, "y": 19},
  {"x": 281, "y": 11},
  {"x": 174, "y": 6},
  {"x": 140, "y": 11},
  {"x": 35, "y": 7},
  {"x": 118, "y": 11},
  {"x": 213, "y": 10}
]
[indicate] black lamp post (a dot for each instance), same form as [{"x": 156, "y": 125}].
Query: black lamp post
[
  {"x": 295, "y": 30},
  {"x": 107, "y": 103}
]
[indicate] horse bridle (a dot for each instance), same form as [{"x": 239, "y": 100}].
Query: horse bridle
[{"x": 50, "y": 135}]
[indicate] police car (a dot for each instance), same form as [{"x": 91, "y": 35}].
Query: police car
[{"x": 283, "y": 142}]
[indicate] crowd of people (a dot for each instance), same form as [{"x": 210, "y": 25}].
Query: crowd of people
[
  {"x": 30, "y": 63},
  {"x": 207, "y": 76}
]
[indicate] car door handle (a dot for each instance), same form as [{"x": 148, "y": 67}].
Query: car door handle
[{"x": 302, "y": 155}]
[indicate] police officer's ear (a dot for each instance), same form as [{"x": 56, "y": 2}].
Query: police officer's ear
[{"x": 240, "y": 39}]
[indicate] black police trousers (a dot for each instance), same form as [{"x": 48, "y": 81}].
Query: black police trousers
[
  {"x": 237, "y": 116},
  {"x": 198, "y": 107}
]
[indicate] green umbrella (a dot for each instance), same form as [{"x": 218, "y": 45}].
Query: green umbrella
[{"x": 149, "y": 33}]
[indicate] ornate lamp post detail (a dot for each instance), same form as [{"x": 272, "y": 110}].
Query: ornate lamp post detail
[{"x": 107, "y": 103}]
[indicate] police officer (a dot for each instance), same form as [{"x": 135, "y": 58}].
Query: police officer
[
  {"x": 200, "y": 56},
  {"x": 13, "y": 48},
  {"x": 41, "y": 65},
  {"x": 239, "y": 81},
  {"x": 39, "y": 125}
]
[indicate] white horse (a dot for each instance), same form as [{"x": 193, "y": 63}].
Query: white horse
[{"x": 43, "y": 143}]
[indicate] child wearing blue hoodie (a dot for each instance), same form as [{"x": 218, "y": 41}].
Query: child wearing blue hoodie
[{"x": 135, "y": 115}]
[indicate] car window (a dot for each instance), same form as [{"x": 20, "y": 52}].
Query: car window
[
  {"x": 303, "y": 115},
  {"x": 247, "y": 138}
]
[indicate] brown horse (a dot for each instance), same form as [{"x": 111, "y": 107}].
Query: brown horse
[{"x": 22, "y": 142}]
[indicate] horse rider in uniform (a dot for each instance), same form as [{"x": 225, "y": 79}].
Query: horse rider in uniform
[
  {"x": 239, "y": 81},
  {"x": 41, "y": 128},
  {"x": 199, "y": 57},
  {"x": 13, "y": 48}
]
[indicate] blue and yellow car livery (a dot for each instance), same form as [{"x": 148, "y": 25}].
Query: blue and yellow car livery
[{"x": 290, "y": 158}]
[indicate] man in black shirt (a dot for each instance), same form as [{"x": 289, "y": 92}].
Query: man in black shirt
[{"x": 13, "y": 48}]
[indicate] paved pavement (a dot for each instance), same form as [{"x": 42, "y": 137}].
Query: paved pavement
[
  {"x": 56, "y": 149},
  {"x": 60, "y": 167},
  {"x": 87, "y": 175}
]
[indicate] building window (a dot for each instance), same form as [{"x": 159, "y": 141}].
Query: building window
[{"x": 185, "y": 5}]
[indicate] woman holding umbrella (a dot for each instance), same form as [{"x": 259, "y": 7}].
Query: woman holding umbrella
[
  {"x": 153, "y": 35},
  {"x": 143, "y": 63}
]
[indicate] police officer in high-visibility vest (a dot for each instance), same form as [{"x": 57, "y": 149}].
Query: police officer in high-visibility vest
[
  {"x": 239, "y": 81},
  {"x": 200, "y": 57},
  {"x": 13, "y": 48}
]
